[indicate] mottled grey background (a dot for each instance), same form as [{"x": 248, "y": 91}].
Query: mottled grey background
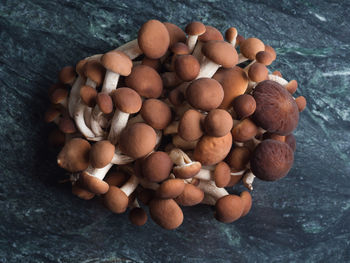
[{"x": 302, "y": 218}]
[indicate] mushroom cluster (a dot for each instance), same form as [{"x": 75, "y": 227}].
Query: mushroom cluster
[{"x": 174, "y": 118}]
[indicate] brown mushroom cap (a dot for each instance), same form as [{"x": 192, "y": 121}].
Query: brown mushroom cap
[
  {"x": 82, "y": 193},
  {"x": 117, "y": 62},
  {"x": 190, "y": 196},
  {"x": 56, "y": 86},
  {"x": 264, "y": 57},
  {"x": 205, "y": 94},
  {"x": 95, "y": 71},
  {"x": 116, "y": 178},
  {"x": 137, "y": 140},
  {"x": 211, "y": 33},
  {"x": 251, "y": 46},
  {"x": 58, "y": 95},
  {"x": 240, "y": 39},
  {"x": 195, "y": 28},
  {"x": 166, "y": 213},
  {"x": 180, "y": 48},
  {"x": 271, "y": 160},
  {"x": 80, "y": 67},
  {"x": 290, "y": 140},
  {"x": 190, "y": 125},
  {"x": 244, "y": 106},
  {"x": 67, "y": 75},
  {"x": 292, "y": 86},
  {"x": 277, "y": 73},
  {"x": 171, "y": 188},
  {"x": 188, "y": 170},
  {"x": 104, "y": 102},
  {"x": 230, "y": 34},
  {"x": 247, "y": 202},
  {"x": 244, "y": 131},
  {"x": 67, "y": 125},
  {"x": 186, "y": 67},
  {"x": 116, "y": 200},
  {"x": 101, "y": 153},
  {"x": 156, "y": 113},
  {"x": 276, "y": 110},
  {"x": 92, "y": 184},
  {"x": 146, "y": 81},
  {"x": 271, "y": 50},
  {"x": 222, "y": 174},
  {"x": 176, "y": 34},
  {"x": 234, "y": 83},
  {"x": 238, "y": 158},
  {"x": 138, "y": 216},
  {"x": 212, "y": 150},
  {"x": 258, "y": 72},
  {"x": 51, "y": 114},
  {"x": 228, "y": 208},
  {"x": 88, "y": 95},
  {"x": 153, "y": 39},
  {"x": 221, "y": 53},
  {"x": 218, "y": 123},
  {"x": 301, "y": 103},
  {"x": 127, "y": 100},
  {"x": 157, "y": 167},
  {"x": 234, "y": 180},
  {"x": 74, "y": 156}
]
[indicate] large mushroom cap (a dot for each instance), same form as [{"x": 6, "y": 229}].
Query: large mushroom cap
[
  {"x": 176, "y": 34},
  {"x": 244, "y": 105},
  {"x": 137, "y": 140},
  {"x": 190, "y": 196},
  {"x": 205, "y": 94},
  {"x": 117, "y": 62},
  {"x": 74, "y": 156},
  {"x": 276, "y": 110},
  {"x": 156, "y": 113},
  {"x": 94, "y": 70},
  {"x": 153, "y": 39},
  {"x": 195, "y": 28},
  {"x": 250, "y": 47},
  {"x": 211, "y": 33},
  {"x": 127, "y": 100},
  {"x": 221, "y": 53},
  {"x": 190, "y": 125},
  {"x": 157, "y": 166},
  {"x": 187, "y": 67},
  {"x": 229, "y": 208},
  {"x": 146, "y": 81},
  {"x": 101, "y": 153},
  {"x": 92, "y": 184},
  {"x": 218, "y": 123},
  {"x": 234, "y": 82},
  {"x": 211, "y": 150},
  {"x": 271, "y": 160},
  {"x": 116, "y": 200},
  {"x": 166, "y": 213},
  {"x": 171, "y": 188}
]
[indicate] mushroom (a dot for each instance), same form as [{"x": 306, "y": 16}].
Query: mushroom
[
  {"x": 146, "y": 81},
  {"x": 177, "y": 49},
  {"x": 205, "y": 94},
  {"x": 66, "y": 124},
  {"x": 156, "y": 113},
  {"x": 249, "y": 48},
  {"x": 221, "y": 174},
  {"x": 292, "y": 86},
  {"x": 74, "y": 156},
  {"x": 95, "y": 72},
  {"x": 247, "y": 202},
  {"x": 276, "y": 110},
  {"x": 277, "y": 73},
  {"x": 194, "y": 30},
  {"x": 186, "y": 67},
  {"x": 265, "y": 58},
  {"x": 244, "y": 106},
  {"x": 229, "y": 208},
  {"x": 60, "y": 97},
  {"x": 53, "y": 114},
  {"x": 239, "y": 40},
  {"x": 153, "y": 63},
  {"x": 170, "y": 188},
  {"x": 157, "y": 166},
  {"x": 248, "y": 179},
  {"x": 217, "y": 54},
  {"x": 190, "y": 196},
  {"x": 67, "y": 75},
  {"x": 137, "y": 215},
  {"x": 178, "y": 142},
  {"x": 127, "y": 101},
  {"x": 301, "y": 103},
  {"x": 185, "y": 168},
  {"x": 231, "y": 35},
  {"x": 190, "y": 125},
  {"x": 101, "y": 154},
  {"x": 238, "y": 158},
  {"x": 218, "y": 123},
  {"x": 104, "y": 106},
  {"x": 176, "y": 34},
  {"x": 271, "y": 160},
  {"x": 244, "y": 131},
  {"x": 258, "y": 72},
  {"x": 166, "y": 213}
]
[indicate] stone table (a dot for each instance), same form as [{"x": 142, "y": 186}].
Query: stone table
[{"x": 301, "y": 218}]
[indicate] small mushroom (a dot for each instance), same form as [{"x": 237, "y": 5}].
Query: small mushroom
[
  {"x": 258, "y": 72},
  {"x": 190, "y": 125},
  {"x": 231, "y": 35},
  {"x": 186, "y": 67},
  {"x": 95, "y": 73},
  {"x": 292, "y": 86},
  {"x": 218, "y": 123},
  {"x": 185, "y": 168},
  {"x": 157, "y": 166},
  {"x": 176, "y": 34},
  {"x": 244, "y": 131},
  {"x": 221, "y": 174},
  {"x": 156, "y": 113},
  {"x": 247, "y": 202},
  {"x": 301, "y": 103},
  {"x": 178, "y": 49},
  {"x": 244, "y": 106},
  {"x": 137, "y": 215},
  {"x": 166, "y": 213},
  {"x": 170, "y": 188},
  {"x": 67, "y": 75},
  {"x": 264, "y": 57},
  {"x": 190, "y": 196},
  {"x": 194, "y": 30},
  {"x": 249, "y": 48},
  {"x": 82, "y": 193},
  {"x": 101, "y": 154},
  {"x": 229, "y": 208},
  {"x": 60, "y": 97},
  {"x": 238, "y": 158}
]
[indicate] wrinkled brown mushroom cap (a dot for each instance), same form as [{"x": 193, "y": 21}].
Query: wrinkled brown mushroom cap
[
  {"x": 146, "y": 81},
  {"x": 238, "y": 158},
  {"x": 127, "y": 100},
  {"x": 211, "y": 33},
  {"x": 218, "y": 123},
  {"x": 116, "y": 200},
  {"x": 95, "y": 71},
  {"x": 190, "y": 125},
  {"x": 157, "y": 167},
  {"x": 190, "y": 196},
  {"x": 258, "y": 72},
  {"x": 211, "y": 150},
  {"x": 244, "y": 106},
  {"x": 117, "y": 62},
  {"x": 221, "y": 53},
  {"x": 101, "y": 153},
  {"x": 156, "y": 113},
  {"x": 67, "y": 75},
  {"x": 171, "y": 188},
  {"x": 104, "y": 102},
  {"x": 176, "y": 34},
  {"x": 186, "y": 67},
  {"x": 228, "y": 208},
  {"x": 74, "y": 156},
  {"x": 138, "y": 216},
  {"x": 250, "y": 47},
  {"x": 244, "y": 131},
  {"x": 271, "y": 160},
  {"x": 88, "y": 95},
  {"x": 195, "y": 28},
  {"x": 276, "y": 110},
  {"x": 205, "y": 94},
  {"x": 92, "y": 184},
  {"x": 137, "y": 140},
  {"x": 166, "y": 213},
  {"x": 222, "y": 174},
  {"x": 153, "y": 39},
  {"x": 247, "y": 202}
]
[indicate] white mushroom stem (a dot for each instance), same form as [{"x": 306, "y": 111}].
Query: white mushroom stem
[
  {"x": 95, "y": 120},
  {"x": 129, "y": 187},
  {"x": 248, "y": 180},
  {"x": 99, "y": 173},
  {"x": 208, "y": 200},
  {"x": 197, "y": 52},
  {"x": 179, "y": 157},
  {"x": 209, "y": 187},
  {"x": 120, "y": 158},
  {"x": 241, "y": 58},
  {"x": 204, "y": 174},
  {"x": 90, "y": 83},
  {"x": 87, "y": 116},
  {"x": 181, "y": 143},
  {"x": 239, "y": 173},
  {"x": 119, "y": 121},
  {"x": 148, "y": 185},
  {"x": 171, "y": 128},
  {"x": 131, "y": 49},
  {"x": 81, "y": 125},
  {"x": 159, "y": 135},
  {"x": 74, "y": 95},
  {"x": 208, "y": 68},
  {"x": 278, "y": 79},
  {"x": 191, "y": 42},
  {"x": 110, "y": 82}
]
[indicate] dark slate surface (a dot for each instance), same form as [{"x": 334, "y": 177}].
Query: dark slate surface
[{"x": 304, "y": 217}]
